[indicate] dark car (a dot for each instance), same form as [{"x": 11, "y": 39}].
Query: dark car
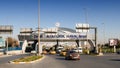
[
  {"x": 118, "y": 52},
  {"x": 72, "y": 55}
]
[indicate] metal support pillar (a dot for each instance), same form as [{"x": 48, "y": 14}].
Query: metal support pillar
[
  {"x": 56, "y": 44},
  {"x": 96, "y": 40},
  {"x": 77, "y": 41}
]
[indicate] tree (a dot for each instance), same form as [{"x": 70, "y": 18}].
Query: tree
[
  {"x": 12, "y": 42},
  {"x": 118, "y": 44}
]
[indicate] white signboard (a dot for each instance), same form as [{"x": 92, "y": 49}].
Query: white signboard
[{"x": 113, "y": 42}]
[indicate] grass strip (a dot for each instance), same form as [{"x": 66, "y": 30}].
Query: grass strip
[{"x": 27, "y": 59}]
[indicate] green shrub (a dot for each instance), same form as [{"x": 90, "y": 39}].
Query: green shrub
[
  {"x": 108, "y": 50},
  {"x": 27, "y": 59}
]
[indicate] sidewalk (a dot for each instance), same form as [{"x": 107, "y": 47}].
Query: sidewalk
[
  {"x": 111, "y": 54},
  {"x": 108, "y": 54},
  {"x": 2, "y": 55}
]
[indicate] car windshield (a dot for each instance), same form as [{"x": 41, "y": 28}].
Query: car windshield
[
  {"x": 72, "y": 52},
  {"x": 79, "y": 48}
]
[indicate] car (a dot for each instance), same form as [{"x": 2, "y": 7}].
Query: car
[
  {"x": 79, "y": 50},
  {"x": 44, "y": 52},
  {"x": 72, "y": 55},
  {"x": 63, "y": 53},
  {"x": 52, "y": 52},
  {"x": 59, "y": 49},
  {"x": 118, "y": 52}
]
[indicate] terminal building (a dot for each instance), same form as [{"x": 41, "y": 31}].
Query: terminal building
[{"x": 61, "y": 36}]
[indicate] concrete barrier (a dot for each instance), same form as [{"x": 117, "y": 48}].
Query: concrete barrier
[{"x": 15, "y": 52}]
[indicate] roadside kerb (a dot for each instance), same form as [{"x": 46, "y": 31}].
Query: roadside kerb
[
  {"x": 4, "y": 56},
  {"x": 27, "y": 62}
]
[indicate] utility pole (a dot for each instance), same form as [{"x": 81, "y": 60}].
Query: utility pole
[
  {"x": 103, "y": 34},
  {"x": 86, "y": 15},
  {"x": 86, "y": 20},
  {"x": 39, "y": 47}
]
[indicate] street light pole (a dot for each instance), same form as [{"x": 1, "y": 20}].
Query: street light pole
[
  {"x": 86, "y": 20},
  {"x": 39, "y": 47},
  {"x": 103, "y": 34}
]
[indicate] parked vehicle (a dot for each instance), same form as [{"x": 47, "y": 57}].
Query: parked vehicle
[
  {"x": 79, "y": 50},
  {"x": 72, "y": 55},
  {"x": 118, "y": 52},
  {"x": 52, "y": 52},
  {"x": 59, "y": 50},
  {"x": 63, "y": 53},
  {"x": 44, "y": 52}
]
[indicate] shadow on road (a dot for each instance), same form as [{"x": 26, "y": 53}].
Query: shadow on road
[
  {"x": 61, "y": 58},
  {"x": 114, "y": 59}
]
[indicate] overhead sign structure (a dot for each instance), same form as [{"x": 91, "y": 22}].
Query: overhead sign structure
[
  {"x": 6, "y": 29},
  {"x": 26, "y": 31},
  {"x": 61, "y": 36},
  {"x": 82, "y": 27},
  {"x": 50, "y": 30}
]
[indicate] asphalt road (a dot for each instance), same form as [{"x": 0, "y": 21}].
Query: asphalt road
[
  {"x": 6, "y": 59},
  {"x": 87, "y": 61}
]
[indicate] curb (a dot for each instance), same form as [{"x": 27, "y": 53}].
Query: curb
[
  {"x": 100, "y": 55},
  {"x": 11, "y": 62},
  {"x": 4, "y": 56}
]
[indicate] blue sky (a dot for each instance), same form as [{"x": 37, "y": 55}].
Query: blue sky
[{"x": 24, "y": 13}]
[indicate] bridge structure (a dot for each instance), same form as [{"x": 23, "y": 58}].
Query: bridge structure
[
  {"x": 5, "y": 30},
  {"x": 61, "y": 34}
]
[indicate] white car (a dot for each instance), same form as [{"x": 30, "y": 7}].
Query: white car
[
  {"x": 59, "y": 49},
  {"x": 79, "y": 50}
]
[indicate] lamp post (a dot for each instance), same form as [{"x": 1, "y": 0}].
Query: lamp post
[
  {"x": 103, "y": 30},
  {"x": 39, "y": 47},
  {"x": 100, "y": 48},
  {"x": 86, "y": 20}
]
